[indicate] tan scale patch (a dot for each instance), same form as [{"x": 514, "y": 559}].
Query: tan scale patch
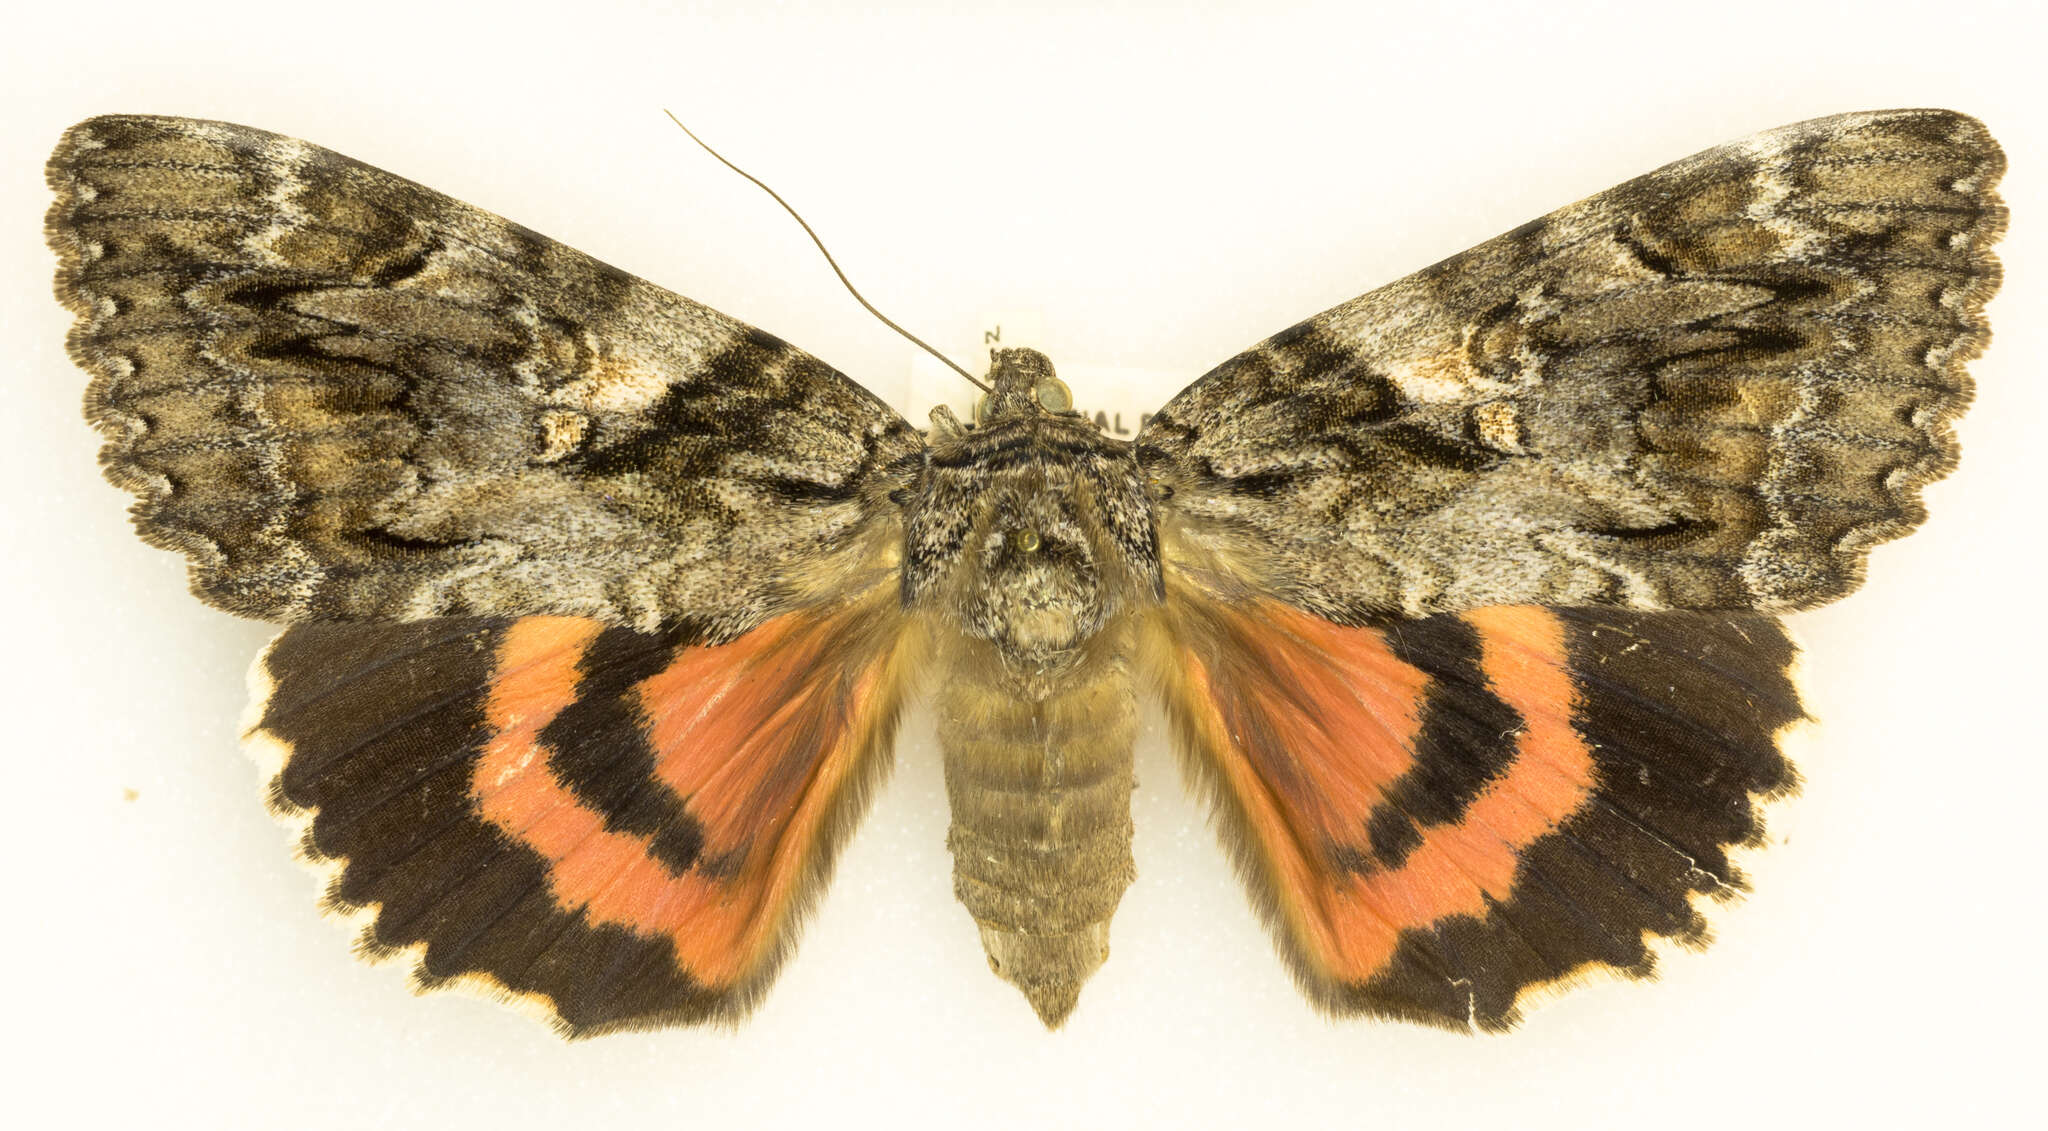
[
  {"x": 1498, "y": 426},
  {"x": 561, "y": 433},
  {"x": 615, "y": 384},
  {"x": 1445, "y": 376}
]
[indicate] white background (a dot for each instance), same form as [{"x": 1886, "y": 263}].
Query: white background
[{"x": 1166, "y": 185}]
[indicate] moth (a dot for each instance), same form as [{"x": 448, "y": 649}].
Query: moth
[{"x": 600, "y": 607}]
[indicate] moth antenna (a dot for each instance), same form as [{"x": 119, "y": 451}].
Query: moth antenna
[{"x": 844, "y": 281}]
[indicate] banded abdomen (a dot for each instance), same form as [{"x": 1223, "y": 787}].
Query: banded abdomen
[{"x": 1041, "y": 836}]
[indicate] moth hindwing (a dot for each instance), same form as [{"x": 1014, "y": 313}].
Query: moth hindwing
[{"x": 599, "y": 606}]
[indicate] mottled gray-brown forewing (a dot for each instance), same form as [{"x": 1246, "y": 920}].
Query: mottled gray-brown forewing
[
  {"x": 347, "y": 396},
  {"x": 1714, "y": 386}
]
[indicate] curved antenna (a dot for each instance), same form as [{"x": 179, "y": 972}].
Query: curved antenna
[{"x": 847, "y": 283}]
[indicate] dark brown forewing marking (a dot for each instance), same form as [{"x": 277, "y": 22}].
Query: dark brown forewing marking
[
  {"x": 623, "y": 827},
  {"x": 1634, "y": 750},
  {"x": 345, "y": 396},
  {"x": 1714, "y": 386}
]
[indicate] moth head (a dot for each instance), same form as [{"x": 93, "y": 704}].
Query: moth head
[{"x": 1021, "y": 381}]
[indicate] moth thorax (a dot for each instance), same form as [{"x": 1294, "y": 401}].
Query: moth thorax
[{"x": 1035, "y": 588}]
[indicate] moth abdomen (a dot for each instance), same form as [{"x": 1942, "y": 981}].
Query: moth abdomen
[{"x": 1041, "y": 836}]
